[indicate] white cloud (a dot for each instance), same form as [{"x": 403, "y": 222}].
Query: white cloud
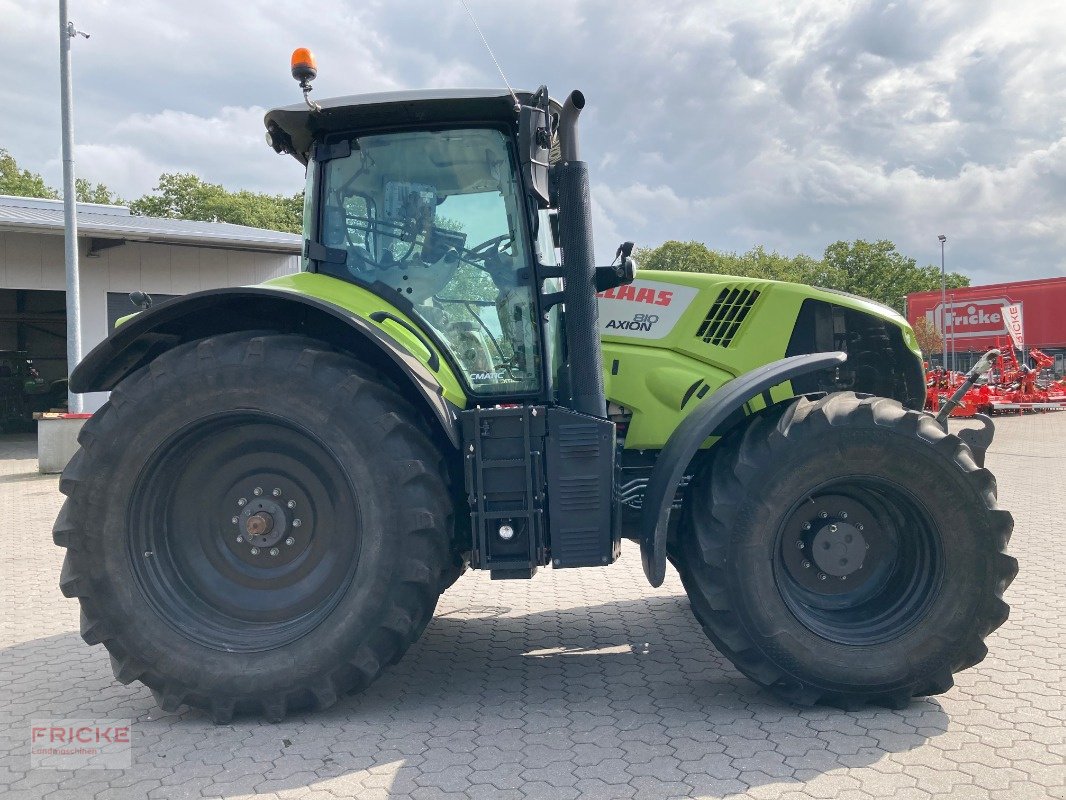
[{"x": 737, "y": 122}]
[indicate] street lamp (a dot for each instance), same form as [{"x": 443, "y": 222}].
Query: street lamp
[
  {"x": 943, "y": 306},
  {"x": 67, "y": 32}
]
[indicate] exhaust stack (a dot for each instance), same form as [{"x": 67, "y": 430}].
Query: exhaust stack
[{"x": 579, "y": 266}]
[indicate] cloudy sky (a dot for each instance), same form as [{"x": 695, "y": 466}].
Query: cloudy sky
[{"x": 735, "y": 123}]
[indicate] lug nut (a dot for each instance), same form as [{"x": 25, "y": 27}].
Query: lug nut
[
  {"x": 806, "y": 564},
  {"x": 806, "y": 526},
  {"x": 821, "y": 576},
  {"x": 799, "y": 544},
  {"x": 859, "y": 526},
  {"x": 255, "y": 551},
  {"x": 240, "y": 539},
  {"x": 290, "y": 541},
  {"x": 824, "y": 514},
  {"x": 832, "y": 528},
  {"x": 274, "y": 551},
  {"x": 257, "y": 491},
  {"x": 296, "y": 523},
  {"x": 843, "y": 577},
  {"x": 843, "y": 514},
  {"x": 291, "y": 504},
  {"x": 242, "y": 502},
  {"x": 276, "y": 493},
  {"x": 235, "y": 520}
]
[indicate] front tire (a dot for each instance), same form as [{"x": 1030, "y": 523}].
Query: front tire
[
  {"x": 255, "y": 524},
  {"x": 846, "y": 550}
]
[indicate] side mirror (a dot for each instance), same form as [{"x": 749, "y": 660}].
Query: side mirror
[
  {"x": 534, "y": 143},
  {"x": 616, "y": 274},
  {"x": 141, "y": 299}
]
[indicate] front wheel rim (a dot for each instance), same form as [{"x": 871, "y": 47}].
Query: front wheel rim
[
  {"x": 244, "y": 531},
  {"x": 859, "y": 561}
]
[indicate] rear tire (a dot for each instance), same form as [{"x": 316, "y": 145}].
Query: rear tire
[
  {"x": 816, "y": 494},
  {"x": 334, "y": 578}
]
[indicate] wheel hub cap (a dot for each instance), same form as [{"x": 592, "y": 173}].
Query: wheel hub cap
[
  {"x": 270, "y": 523},
  {"x": 839, "y": 549},
  {"x": 833, "y": 545},
  {"x": 259, "y": 524}
]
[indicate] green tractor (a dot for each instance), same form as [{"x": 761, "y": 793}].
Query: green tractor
[{"x": 287, "y": 476}]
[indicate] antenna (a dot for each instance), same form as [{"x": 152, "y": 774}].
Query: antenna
[{"x": 517, "y": 105}]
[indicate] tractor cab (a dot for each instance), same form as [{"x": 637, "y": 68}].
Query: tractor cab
[
  {"x": 439, "y": 211},
  {"x": 436, "y": 217}
]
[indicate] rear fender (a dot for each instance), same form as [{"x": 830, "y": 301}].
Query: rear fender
[
  {"x": 195, "y": 316},
  {"x": 702, "y": 423}
]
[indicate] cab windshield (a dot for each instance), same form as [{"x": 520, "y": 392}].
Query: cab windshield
[{"x": 437, "y": 217}]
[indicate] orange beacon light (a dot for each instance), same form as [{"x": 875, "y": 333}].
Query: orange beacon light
[{"x": 304, "y": 68}]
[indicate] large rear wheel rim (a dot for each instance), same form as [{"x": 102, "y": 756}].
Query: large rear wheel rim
[
  {"x": 244, "y": 531},
  {"x": 859, "y": 561}
]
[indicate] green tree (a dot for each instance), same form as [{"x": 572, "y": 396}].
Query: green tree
[
  {"x": 186, "y": 196},
  {"x": 22, "y": 182},
  {"x": 878, "y": 271},
  {"x": 679, "y": 257},
  {"x": 756, "y": 263},
  {"x": 86, "y": 192},
  {"x": 870, "y": 269}
]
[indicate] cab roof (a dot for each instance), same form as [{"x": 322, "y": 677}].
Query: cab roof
[{"x": 388, "y": 109}]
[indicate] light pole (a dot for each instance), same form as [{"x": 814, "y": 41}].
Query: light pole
[
  {"x": 951, "y": 340},
  {"x": 943, "y": 306},
  {"x": 67, "y": 31}
]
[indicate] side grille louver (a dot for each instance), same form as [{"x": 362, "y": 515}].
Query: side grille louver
[{"x": 726, "y": 316}]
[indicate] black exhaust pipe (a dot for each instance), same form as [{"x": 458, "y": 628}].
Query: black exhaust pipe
[{"x": 571, "y": 180}]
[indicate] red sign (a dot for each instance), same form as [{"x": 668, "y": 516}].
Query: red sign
[
  {"x": 976, "y": 313},
  {"x": 1012, "y": 316},
  {"x": 968, "y": 320}
]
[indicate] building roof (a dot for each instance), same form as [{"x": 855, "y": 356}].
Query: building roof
[
  {"x": 1053, "y": 282},
  {"x": 29, "y": 214}
]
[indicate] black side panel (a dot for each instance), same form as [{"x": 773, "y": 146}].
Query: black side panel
[
  {"x": 582, "y": 506},
  {"x": 541, "y": 488},
  {"x": 503, "y": 451},
  {"x": 878, "y": 360}
]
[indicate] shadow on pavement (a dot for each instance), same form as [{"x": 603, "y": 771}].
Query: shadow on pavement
[{"x": 628, "y": 694}]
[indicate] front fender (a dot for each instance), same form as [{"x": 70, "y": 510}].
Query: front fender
[
  {"x": 256, "y": 309},
  {"x": 692, "y": 432}
]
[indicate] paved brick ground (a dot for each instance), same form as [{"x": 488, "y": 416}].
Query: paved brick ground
[{"x": 578, "y": 684}]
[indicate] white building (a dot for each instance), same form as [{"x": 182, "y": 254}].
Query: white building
[{"x": 119, "y": 253}]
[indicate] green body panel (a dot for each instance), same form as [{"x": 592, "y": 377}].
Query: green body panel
[
  {"x": 363, "y": 303},
  {"x": 657, "y": 380},
  {"x": 651, "y": 377},
  {"x": 648, "y": 377}
]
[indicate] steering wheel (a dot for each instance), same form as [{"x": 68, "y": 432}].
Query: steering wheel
[
  {"x": 489, "y": 249},
  {"x": 488, "y": 256}
]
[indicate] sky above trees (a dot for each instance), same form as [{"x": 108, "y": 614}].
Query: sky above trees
[{"x": 789, "y": 125}]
